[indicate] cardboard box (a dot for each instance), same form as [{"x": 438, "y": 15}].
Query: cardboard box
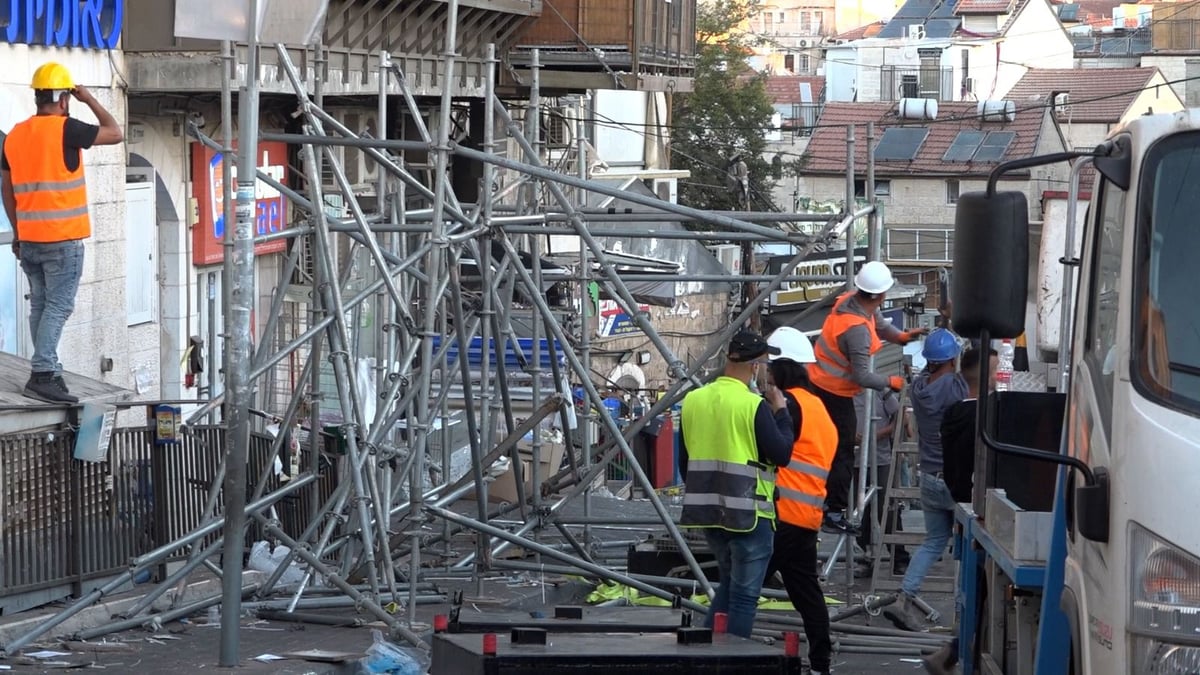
[{"x": 504, "y": 488}]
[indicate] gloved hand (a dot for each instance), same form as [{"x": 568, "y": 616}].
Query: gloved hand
[
  {"x": 910, "y": 335},
  {"x": 896, "y": 382}
]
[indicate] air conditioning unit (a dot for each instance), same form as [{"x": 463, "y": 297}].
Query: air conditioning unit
[
  {"x": 916, "y": 32},
  {"x": 730, "y": 256},
  {"x": 803, "y": 43},
  {"x": 558, "y": 127},
  {"x": 968, "y": 85},
  {"x": 667, "y": 189},
  {"x": 362, "y": 172}
]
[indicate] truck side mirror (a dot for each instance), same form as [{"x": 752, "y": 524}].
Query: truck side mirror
[{"x": 991, "y": 264}]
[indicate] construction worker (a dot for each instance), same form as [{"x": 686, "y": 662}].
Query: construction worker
[
  {"x": 958, "y": 457},
  {"x": 800, "y": 490},
  {"x": 937, "y": 388},
  {"x": 850, "y": 335},
  {"x": 732, "y": 442},
  {"x": 45, "y": 198}
]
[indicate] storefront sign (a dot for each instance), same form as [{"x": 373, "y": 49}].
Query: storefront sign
[
  {"x": 831, "y": 263},
  {"x": 208, "y": 184},
  {"x": 90, "y": 24},
  {"x": 614, "y": 321}
]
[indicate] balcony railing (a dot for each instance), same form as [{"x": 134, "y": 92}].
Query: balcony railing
[{"x": 897, "y": 82}]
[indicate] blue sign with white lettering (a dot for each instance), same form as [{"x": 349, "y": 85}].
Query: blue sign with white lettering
[{"x": 89, "y": 24}]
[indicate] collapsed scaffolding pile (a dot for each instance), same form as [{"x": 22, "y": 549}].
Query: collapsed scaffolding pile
[{"x": 381, "y": 515}]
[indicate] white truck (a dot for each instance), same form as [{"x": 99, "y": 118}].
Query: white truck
[{"x": 1120, "y": 589}]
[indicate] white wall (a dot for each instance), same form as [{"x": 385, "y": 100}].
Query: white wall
[
  {"x": 98, "y": 327},
  {"x": 616, "y": 144},
  {"x": 1034, "y": 40},
  {"x": 841, "y": 73}
]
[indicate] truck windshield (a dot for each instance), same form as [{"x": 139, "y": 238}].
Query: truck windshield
[{"x": 1167, "y": 323}]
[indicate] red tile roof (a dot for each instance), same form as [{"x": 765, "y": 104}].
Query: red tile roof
[
  {"x": 785, "y": 89},
  {"x": 1093, "y": 12},
  {"x": 869, "y": 30},
  {"x": 826, "y": 152},
  {"x": 984, "y": 7},
  {"x": 1097, "y": 94}
]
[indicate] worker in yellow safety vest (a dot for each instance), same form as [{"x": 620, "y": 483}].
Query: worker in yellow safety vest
[
  {"x": 852, "y": 332},
  {"x": 45, "y": 200},
  {"x": 732, "y": 442},
  {"x": 800, "y": 490}
]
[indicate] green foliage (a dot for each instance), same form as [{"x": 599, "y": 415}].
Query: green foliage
[{"x": 727, "y": 114}]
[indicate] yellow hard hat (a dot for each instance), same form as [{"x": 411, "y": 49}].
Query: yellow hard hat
[{"x": 52, "y": 76}]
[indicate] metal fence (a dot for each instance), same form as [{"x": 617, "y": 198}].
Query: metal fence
[
  {"x": 897, "y": 82},
  {"x": 64, "y": 521}
]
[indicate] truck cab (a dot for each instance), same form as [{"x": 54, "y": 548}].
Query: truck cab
[
  {"x": 1133, "y": 406},
  {"x": 1122, "y": 580}
]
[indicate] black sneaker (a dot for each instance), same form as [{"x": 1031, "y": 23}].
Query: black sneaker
[
  {"x": 58, "y": 379},
  {"x": 836, "y": 523},
  {"x": 46, "y": 387}
]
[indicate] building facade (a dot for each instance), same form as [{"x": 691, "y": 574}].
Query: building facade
[{"x": 113, "y": 334}]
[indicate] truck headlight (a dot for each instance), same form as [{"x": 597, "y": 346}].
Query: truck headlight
[{"x": 1164, "y": 616}]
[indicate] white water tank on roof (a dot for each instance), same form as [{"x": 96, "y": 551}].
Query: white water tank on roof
[
  {"x": 997, "y": 111},
  {"x": 918, "y": 109}
]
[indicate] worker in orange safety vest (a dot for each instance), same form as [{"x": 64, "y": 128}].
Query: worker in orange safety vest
[
  {"x": 852, "y": 332},
  {"x": 45, "y": 199},
  {"x": 800, "y": 491}
]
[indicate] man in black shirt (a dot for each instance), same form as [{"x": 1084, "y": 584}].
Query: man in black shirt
[{"x": 958, "y": 428}]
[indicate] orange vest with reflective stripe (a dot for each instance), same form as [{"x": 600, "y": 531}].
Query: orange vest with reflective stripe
[
  {"x": 800, "y": 485},
  {"x": 832, "y": 371},
  {"x": 52, "y": 202}
]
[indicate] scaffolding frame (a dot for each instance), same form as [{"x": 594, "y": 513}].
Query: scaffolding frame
[{"x": 382, "y": 514}]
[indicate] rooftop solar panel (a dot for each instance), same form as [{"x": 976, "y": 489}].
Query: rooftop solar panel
[
  {"x": 900, "y": 143},
  {"x": 994, "y": 146},
  {"x": 964, "y": 146}
]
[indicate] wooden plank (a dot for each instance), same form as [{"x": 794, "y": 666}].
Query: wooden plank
[
  {"x": 610, "y": 23},
  {"x": 556, "y": 26},
  {"x": 20, "y": 413}
]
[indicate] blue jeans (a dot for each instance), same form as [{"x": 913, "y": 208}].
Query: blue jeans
[
  {"x": 53, "y": 270},
  {"x": 938, "y": 507},
  {"x": 742, "y": 558}
]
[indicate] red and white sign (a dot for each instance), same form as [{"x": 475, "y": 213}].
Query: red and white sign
[{"x": 208, "y": 184}]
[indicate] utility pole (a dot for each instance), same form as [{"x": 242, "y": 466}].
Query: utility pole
[{"x": 239, "y": 259}]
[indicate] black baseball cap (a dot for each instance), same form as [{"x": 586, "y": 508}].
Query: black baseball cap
[{"x": 748, "y": 346}]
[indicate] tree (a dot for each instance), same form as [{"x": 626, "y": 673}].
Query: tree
[{"x": 722, "y": 123}]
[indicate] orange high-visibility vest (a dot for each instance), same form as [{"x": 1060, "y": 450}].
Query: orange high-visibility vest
[
  {"x": 52, "y": 202},
  {"x": 800, "y": 485},
  {"x": 832, "y": 370}
]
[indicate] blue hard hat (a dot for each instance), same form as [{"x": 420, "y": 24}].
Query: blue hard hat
[{"x": 940, "y": 346}]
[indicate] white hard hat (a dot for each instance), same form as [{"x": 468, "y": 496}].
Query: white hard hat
[
  {"x": 793, "y": 345},
  {"x": 874, "y": 277}
]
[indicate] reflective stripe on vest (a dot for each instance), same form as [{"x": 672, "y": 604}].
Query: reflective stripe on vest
[
  {"x": 832, "y": 370},
  {"x": 727, "y": 487},
  {"x": 801, "y": 484},
  {"x": 51, "y": 200}
]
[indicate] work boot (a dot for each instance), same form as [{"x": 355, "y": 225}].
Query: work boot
[
  {"x": 942, "y": 661},
  {"x": 61, "y": 383},
  {"x": 836, "y": 523},
  {"x": 47, "y": 387}
]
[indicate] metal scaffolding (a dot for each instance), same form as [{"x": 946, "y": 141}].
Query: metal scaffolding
[{"x": 396, "y": 492}]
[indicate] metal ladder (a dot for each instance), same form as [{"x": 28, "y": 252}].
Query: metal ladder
[{"x": 904, "y": 451}]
